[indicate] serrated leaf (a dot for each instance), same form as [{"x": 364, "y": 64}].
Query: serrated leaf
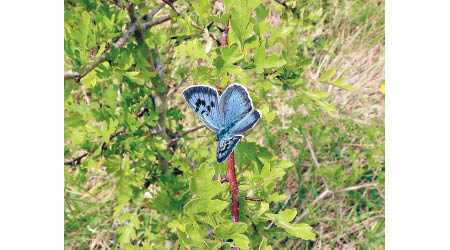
[{"x": 201, "y": 183}]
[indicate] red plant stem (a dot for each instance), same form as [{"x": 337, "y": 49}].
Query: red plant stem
[{"x": 234, "y": 189}]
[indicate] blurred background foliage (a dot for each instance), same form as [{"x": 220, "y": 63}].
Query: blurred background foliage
[{"x": 140, "y": 170}]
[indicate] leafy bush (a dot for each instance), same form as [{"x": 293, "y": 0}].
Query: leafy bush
[{"x": 140, "y": 169}]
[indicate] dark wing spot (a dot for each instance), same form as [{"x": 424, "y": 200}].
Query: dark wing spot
[
  {"x": 196, "y": 109},
  {"x": 203, "y": 102},
  {"x": 209, "y": 108},
  {"x": 203, "y": 111},
  {"x": 212, "y": 104},
  {"x": 198, "y": 102}
]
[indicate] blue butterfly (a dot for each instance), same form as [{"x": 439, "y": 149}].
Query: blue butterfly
[{"x": 230, "y": 117}]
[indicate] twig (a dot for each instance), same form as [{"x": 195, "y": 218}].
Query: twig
[
  {"x": 224, "y": 179},
  {"x": 187, "y": 131},
  {"x": 254, "y": 199},
  {"x": 179, "y": 13},
  {"x": 152, "y": 13},
  {"x": 233, "y": 188},
  {"x": 293, "y": 10},
  {"x": 175, "y": 89}
]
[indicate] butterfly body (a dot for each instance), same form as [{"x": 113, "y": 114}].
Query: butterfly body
[{"x": 229, "y": 117}]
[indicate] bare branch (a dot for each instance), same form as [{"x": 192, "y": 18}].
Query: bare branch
[
  {"x": 178, "y": 136},
  {"x": 70, "y": 74},
  {"x": 168, "y": 2},
  {"x": 152, "y": 13},
  {"x": 148, "y": 25},
  {"x": 187, "y": 131}
]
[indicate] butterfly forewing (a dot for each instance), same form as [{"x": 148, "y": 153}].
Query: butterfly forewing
[
  {"x": 246, "y": 123},
  {"x": 226, "y": 146},
  {"x": 203, "y": 100},
  {"x": 234, "y": 104}
]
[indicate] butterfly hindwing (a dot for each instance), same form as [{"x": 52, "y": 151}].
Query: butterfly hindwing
[
  {"x": 246, "y": 123},
  {"x": 226, "y": 146},
  {"x": 203, "y": 100},
  {"x": 234, "y": 104}
]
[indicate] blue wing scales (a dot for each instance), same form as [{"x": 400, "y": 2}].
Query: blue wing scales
[
  {"x": 246, "y": 123},
  {"x": 203, "y": 100},
  {"x": 226, "y": 146},
  {"x": 234, "y": 104}
]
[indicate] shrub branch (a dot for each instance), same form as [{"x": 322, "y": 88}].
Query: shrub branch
[{"x": 123, "y": 39}]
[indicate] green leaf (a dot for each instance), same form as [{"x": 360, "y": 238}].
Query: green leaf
[
  {"x": 238, "y": 227},
  {"x": 339, "y": 83},
  {"x": 252, "y": 4},
  {"x": 276, "y": 197},
  {"x": 201, "y": 7},
  {"x": 84, "y": 28},
  {"x": 223, "y": 232},
  {"x": 191, "y": 49},
  {"x": 316, "y": 95},
  {"x": 327, "y": 75},
  {"x": 260, "y": 56},
  {"x": 299, "y": 230},
  {"x": 241, "y": 241},
  {"x": 330, "y": 109},
  {"x": 201, "y": 183},
  {"x": 195, "y": 233},
  {"x": 90, "y": 80},
  {"x": 263, "y": 245},
  {"x": 231, "y": 55},
  {"x": 273, "y": 61},
  {"x": 284, "y": 164}
]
